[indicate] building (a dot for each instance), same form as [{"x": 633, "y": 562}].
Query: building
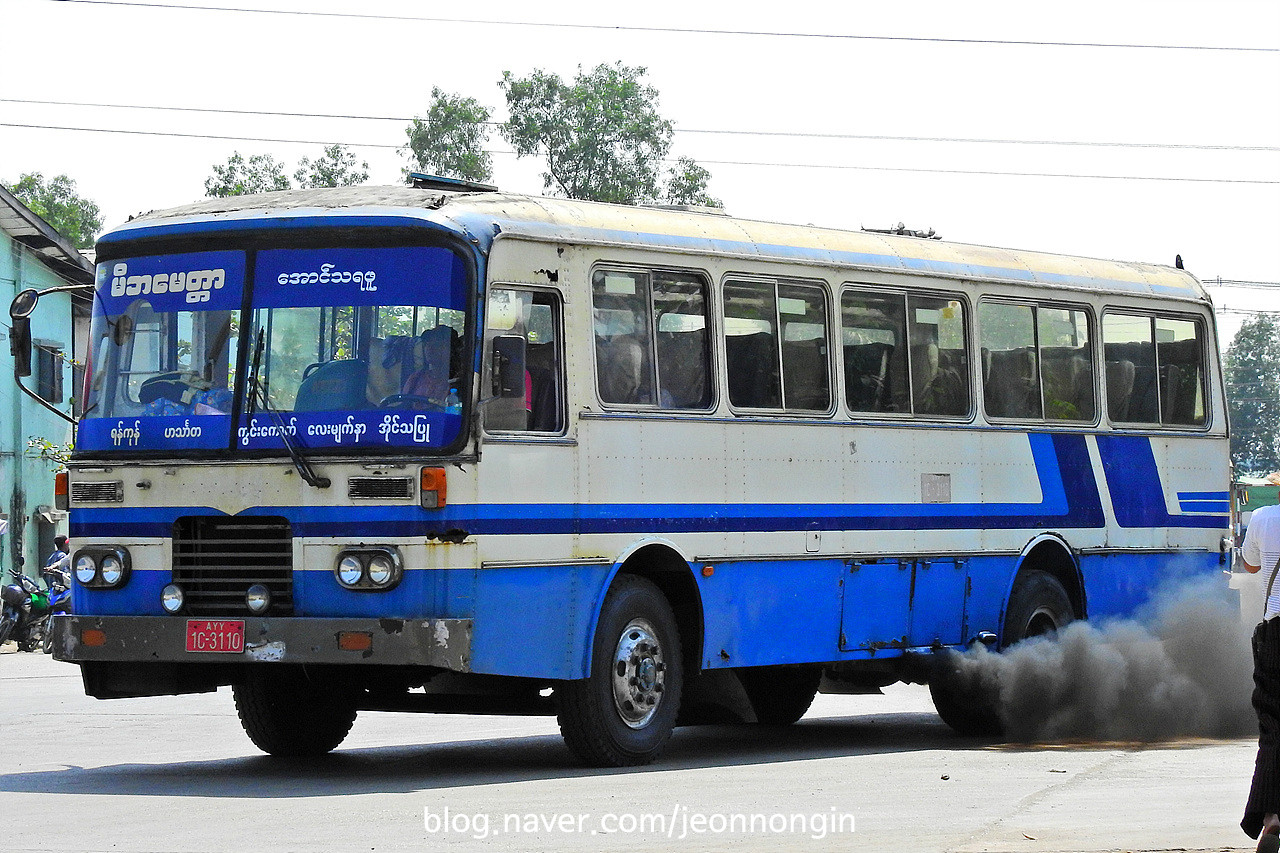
[{"x": 34, "y": 255}]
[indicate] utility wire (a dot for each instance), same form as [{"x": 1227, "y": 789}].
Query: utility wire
[
  {"x": 765, "y": 164},
  {"x": 763, "y": 133},
  {"x": 672, "y": 30}
]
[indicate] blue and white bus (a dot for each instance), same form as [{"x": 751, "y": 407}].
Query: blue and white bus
[{"x": 442, "y": 448}]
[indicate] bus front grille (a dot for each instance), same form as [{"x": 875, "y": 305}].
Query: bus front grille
[{"x": 217, "y": 559}]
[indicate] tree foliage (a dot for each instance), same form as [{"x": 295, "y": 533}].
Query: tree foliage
[
  {"x": 450, "y": 139},
  {"x": 335, "y": 168},
  {"x": 1253, "y": 395},
  {"x": 687, "y": 184},
  {"x": 57, "y": 202},
  {"x": 261, "y": 173},
  {"x": 602, "y": 136}
]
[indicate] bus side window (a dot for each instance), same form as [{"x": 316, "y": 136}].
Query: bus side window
[
  {"x": 620, "y": 301},
  {"x": 535, "y": 318},
  {"x": 1010, "y": 367},
  {"x": 1066, "y": 364},
  {"x": 751, "y": 344},
  {"x": 681, "y": 345},
  {"x": 1180, "y": 353},
  {"x": 873, "y": 329},
  {"x": 939, "y": 356},
  {"x": 802, "y": 314},
  {"x": 1128, "y": 344}
]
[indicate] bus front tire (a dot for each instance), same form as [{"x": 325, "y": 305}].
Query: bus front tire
[
  {"x": 967, "y": 698},
  {"x": 287, "y": 714},
  {"x": 623, "y": 714},
  {"x": 780, "y": 695}
]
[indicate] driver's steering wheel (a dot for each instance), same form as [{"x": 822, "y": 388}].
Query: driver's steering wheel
[{"x": 410, "y": 401}]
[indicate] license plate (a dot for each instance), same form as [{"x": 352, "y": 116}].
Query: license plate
[{"x": 205, "y": 635}]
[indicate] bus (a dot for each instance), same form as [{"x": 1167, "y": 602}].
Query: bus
[{"x": 442, "y": 448}]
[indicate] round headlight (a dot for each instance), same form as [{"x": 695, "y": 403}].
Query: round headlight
[
  {"x": 381, "y": 569},
  {"x": 258, "y": 599},
  {"x": 86, "y": 569},
  {"x": 171, "y": 598},
  {"x": 350, "y": 570},
  {"x": 112, "y": 570}
]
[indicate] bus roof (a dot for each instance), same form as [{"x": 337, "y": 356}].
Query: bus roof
[{"x": 482, "y": 216}]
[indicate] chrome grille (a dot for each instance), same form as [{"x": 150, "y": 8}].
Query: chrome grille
[
  {"x": 379, "y": 488},
  {"x": 98, "y": 493},
  {"x": 217, "y": 559}
]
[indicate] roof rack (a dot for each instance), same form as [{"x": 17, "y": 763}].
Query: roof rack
[{"x": 423, "y": 181}]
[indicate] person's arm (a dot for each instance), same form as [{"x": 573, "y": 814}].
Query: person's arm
[{"x": 1251, "y": 548}]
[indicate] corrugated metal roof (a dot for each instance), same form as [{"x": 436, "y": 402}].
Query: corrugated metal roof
[
  {"x": 21, "y": 224},
  {"x": 571, "y": 221}
]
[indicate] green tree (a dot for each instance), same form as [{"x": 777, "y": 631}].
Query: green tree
[
  {"x": 57, "y": 202},
  {"x": 450, "y": 140},
  {"x": 687, "y": 184},
  {"x": 602, "y": 136},
  {"x": 335, "y": 168},
  {"x": 261, "y": 173},
  {"x": 1253, "y": 395}
]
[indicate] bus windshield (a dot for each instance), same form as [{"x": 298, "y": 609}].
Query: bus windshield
[{"x": 346, "y": 348}]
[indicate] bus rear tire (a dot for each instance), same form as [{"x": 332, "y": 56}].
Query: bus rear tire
[
  {"x": 780, "y": 695},
  {"x": 968, "y": 702},
  {"x": 287, "y": 714},
  {"x": 623, "y": 714}
]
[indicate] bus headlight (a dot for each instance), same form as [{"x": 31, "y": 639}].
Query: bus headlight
[
  {"x": 102, "y": 568},
  {"x": 381, "y": 570},
  {"x": 350, "y": 571},
  {"x": 112, "y": 569},
  {"x": 369, "y": 569},
  {"x": 86, "y": 569}
]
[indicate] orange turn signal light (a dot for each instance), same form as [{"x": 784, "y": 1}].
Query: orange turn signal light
[
  {"x": 60, "y": 491},
  {"x": 434, "y": 488}
]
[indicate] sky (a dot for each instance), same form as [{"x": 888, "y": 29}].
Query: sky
[{"x": 1126, "y": 129}]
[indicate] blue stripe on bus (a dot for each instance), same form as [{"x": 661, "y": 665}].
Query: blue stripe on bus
[
  {"x": 1204, "y": 496},
  {"x": 1220, "y": 507},
  {"x": 1133, "y": 478},
  {"x": 1069, "y": 500}
]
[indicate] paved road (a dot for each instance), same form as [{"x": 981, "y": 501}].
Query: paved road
[{"x": 177, "y": 774}]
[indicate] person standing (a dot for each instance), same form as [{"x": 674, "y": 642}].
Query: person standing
[
  {"x": 62, "y": 547},
  {"x": 1261, "y": 550}
]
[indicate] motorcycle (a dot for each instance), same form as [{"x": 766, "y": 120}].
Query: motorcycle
[{"x": 27, "y": 608}]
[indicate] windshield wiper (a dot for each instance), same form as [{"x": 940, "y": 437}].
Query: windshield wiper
[{"x": 256, "y": 391}]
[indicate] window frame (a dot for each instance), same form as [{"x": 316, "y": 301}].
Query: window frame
[
  {"x": 557, "y": 298},
  {"x": 1153, "y": 315},
  {"x": 968, "y": 333},
  {"x": 1097, "y": 378},
  {"x": 833, "y": 377},
  {"x": 650, "y": 271}
]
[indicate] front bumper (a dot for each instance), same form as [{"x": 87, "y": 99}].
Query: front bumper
[{"x": 444, "y": 643}]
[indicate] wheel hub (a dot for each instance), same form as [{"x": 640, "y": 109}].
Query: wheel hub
[{"x": 639, "y": 673}]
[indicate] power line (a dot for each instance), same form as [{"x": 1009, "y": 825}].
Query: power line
[
  {"x": 673, "y": 30},
  {"x": 761, "y": 164},
  {"x": 1243, "y": 285},
  {"x": 706, "y": 131}
]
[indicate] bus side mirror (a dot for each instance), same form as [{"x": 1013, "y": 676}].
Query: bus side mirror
[
  {"x": 508, "y": 366},
  {"x": 20, "y": 339}
]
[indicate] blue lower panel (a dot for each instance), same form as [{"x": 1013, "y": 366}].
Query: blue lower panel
[
  {"x": 536, "y": 621},
  {"x": 1121, "y": 585},
  {"x": 771, "y": 612}
]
